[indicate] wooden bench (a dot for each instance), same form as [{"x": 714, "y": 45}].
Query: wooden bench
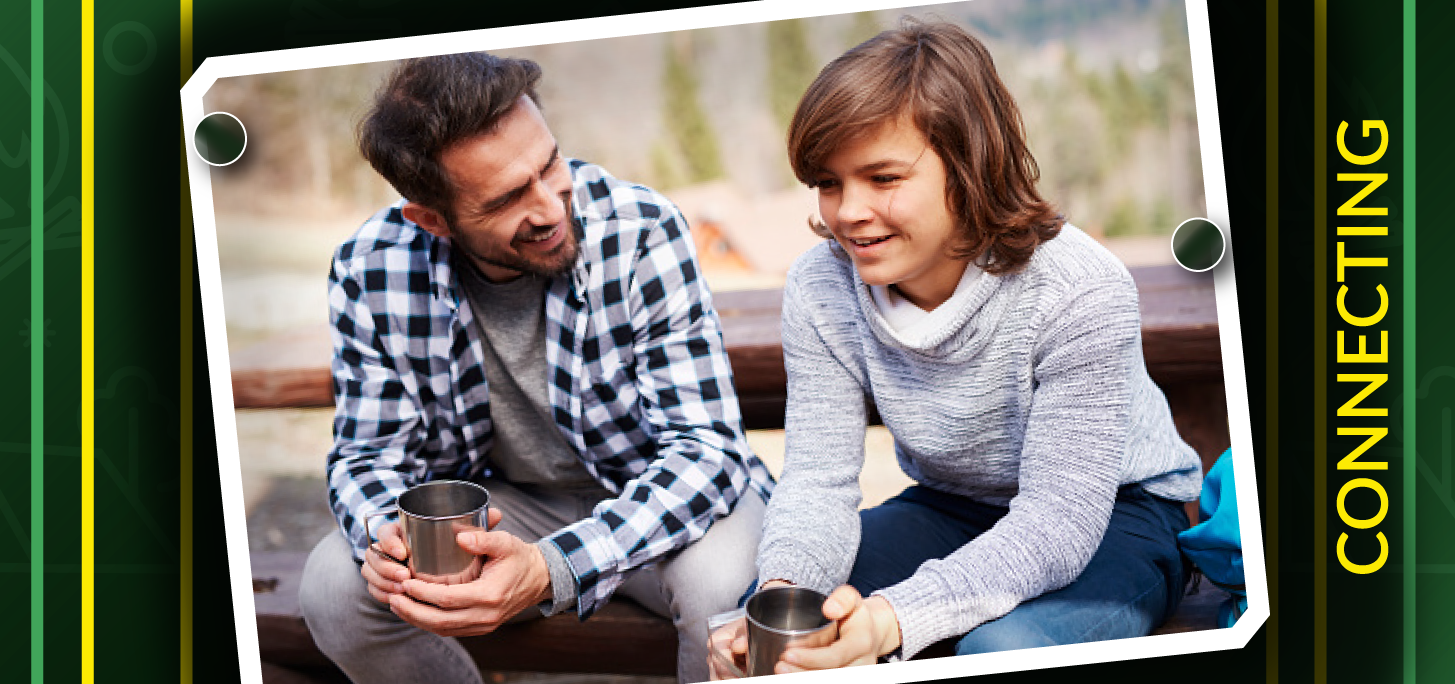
[{"x": 1180, "y": 344}]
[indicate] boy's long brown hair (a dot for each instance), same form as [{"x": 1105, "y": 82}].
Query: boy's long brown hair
[{"x": 945, "y": 81}]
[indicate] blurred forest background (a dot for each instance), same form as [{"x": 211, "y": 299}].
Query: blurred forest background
[{"x": 1105, "y": 87}]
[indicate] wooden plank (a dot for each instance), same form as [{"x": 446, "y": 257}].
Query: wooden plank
[
  {"x": 621, "y": 638},
  {"x": 283, "y": 638}
]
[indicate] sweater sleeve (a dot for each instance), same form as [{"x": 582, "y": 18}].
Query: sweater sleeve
[
  {"x": 812, "y": 526},
  {"x": 1070, "y": 463}
]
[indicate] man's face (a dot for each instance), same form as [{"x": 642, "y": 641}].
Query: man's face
[{"x": 512, "y": 199}]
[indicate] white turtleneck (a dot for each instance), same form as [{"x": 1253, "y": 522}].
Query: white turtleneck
[{"x": 913, "y": 325}]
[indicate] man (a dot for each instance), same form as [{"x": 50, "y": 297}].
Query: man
[{"x": 528, "y": 322}]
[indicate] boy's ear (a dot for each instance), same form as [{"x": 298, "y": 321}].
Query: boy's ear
[{"x": 428, "y": 219}]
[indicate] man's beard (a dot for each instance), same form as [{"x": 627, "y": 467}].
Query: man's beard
[{"x": 559, "y": 261}]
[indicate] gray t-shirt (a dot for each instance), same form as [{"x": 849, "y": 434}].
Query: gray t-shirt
[
  {"x": 511, "y": 319},
  {"x": 529, "y": 449}
]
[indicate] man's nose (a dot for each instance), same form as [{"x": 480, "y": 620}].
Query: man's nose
[{"x": 546, "y": 208}]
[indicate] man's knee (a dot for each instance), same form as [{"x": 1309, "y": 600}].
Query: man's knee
[
  {"x": 329, "y": 594},
  {"x": 710, "y": 575}
]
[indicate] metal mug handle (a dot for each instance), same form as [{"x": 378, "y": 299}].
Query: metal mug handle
[
  {"x": 370, "y": 535},
  {"x": 722, "y": 660}
]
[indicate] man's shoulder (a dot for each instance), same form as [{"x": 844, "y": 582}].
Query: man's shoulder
[
  {"x": 601, "y": 197},
  {"x": 386, "y": 239}
]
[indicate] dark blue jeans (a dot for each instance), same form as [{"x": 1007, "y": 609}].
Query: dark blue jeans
[{"x": 1133, "y": 583}]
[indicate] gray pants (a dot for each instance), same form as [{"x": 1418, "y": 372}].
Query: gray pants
[{"x": 371, "y": 644}]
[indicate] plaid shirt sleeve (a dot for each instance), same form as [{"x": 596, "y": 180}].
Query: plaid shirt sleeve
[
  {"x": 702, "y": 464},
  {"x": 371, "y": 462}
]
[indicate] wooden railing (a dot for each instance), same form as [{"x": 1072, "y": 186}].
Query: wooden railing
[{"x": 1179, "y": 342}]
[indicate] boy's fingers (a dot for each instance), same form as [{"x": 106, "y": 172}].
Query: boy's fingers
[
  {"x": 827, "y": 657},
  {"x": 842, "y": 602}
]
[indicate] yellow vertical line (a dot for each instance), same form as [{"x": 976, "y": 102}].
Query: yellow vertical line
[
  {"x": 88, "y": 341},
  {"x": 185, "y": 359},
  {"x": 1321, "y": 251},
  {"x": 1271, "y": 222}
]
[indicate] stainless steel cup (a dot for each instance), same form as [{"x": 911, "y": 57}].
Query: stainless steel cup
[
  {"x": 430, "y": 515},
  {"x": 781, "y": 617},
  {"x": 776, "y": 618}
]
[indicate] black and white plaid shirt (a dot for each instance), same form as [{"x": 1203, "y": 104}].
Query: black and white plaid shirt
[{"x": 639, "y": 382}]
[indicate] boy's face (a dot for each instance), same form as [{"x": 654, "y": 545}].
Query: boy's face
[{"x": 883, "y": 196}]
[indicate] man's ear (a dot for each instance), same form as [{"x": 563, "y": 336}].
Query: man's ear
[{"x": 428, "y": 219}]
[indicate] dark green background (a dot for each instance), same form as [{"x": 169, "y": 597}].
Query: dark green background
[{"x": 139, "y": 210}]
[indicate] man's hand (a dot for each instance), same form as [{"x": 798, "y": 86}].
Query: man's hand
[
  {"x": 867, "y": 630},
  {"x": 513, "y": 579},
  {"x": 385, "y": 577}
]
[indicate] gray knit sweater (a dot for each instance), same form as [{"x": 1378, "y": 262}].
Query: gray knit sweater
[{"x": 1034, "y": 396}]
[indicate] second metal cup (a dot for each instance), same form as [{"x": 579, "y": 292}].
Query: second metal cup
[
  {"x": 782, "y": 617},
  {"x": 430, "y": 515}
]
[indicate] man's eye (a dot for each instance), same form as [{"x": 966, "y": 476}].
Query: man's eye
[{"x": 498, "y": 205}]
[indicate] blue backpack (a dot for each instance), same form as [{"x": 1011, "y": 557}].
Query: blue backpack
[{"x": 1215, "y": 544}]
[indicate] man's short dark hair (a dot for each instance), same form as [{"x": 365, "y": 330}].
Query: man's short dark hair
[{"x": 430, "y": 103}]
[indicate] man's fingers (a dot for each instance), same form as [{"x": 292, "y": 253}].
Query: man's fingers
[
  {"x": 384, "y": 568},
  {"x": 493, "y": 545},
  {"x": 432, "y": 619},
  {"x": 380, "y": 596},
  {"x": 392, "y": 542},
  {"x": 446, "y": 596},
  {"x": 375, "y": 581},
  {"x": 493, "y": 518},
  {"x": 395, "y": 547}
]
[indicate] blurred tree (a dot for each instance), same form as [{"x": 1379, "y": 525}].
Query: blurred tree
[
  {"x": 791, "y": 67},
  {"x": 666, "y": 172},
  {"x": 864, "y": 26},
  {"x": 686, "y": 119}
]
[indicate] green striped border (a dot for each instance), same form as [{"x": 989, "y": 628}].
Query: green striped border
[
  {"x": 37, "y": 341},
  {"x": 1410, "y": 382}
]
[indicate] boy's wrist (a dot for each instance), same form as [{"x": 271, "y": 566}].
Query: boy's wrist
[{"x": 886, "y": 624}]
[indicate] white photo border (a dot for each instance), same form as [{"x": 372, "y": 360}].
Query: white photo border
[{"x": 1225, "y": 287}]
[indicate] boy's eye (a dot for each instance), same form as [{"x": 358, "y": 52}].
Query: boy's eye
[
  {"x": 825, "y": 183},
  {"x": 884, "y": 178}
]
